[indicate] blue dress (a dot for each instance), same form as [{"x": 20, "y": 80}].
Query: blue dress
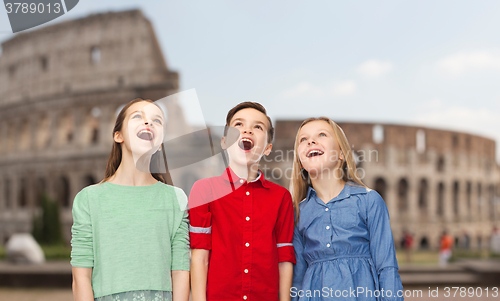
[{"x": 345, "y": 249}]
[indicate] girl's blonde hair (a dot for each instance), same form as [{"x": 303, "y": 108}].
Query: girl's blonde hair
[{"x": 299, "y": 184}]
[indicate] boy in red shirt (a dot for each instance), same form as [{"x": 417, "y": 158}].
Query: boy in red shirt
[{"x": 241, "y": 225}]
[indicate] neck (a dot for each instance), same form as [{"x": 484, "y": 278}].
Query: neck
[
  {"x": 128, "y": 173},
  {"x": 327, "y": 184},
  {"x": 250, "y": 171}
]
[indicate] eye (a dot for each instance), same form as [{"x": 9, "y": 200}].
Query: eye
[
  {"x": 302, "y": 139},
  {"x": 322, "y": 134},
  {"x": 258, "y": 127},
  {"x": 158, "y": 121},
  {"x": 137, "y": 115},
  {"x": 237, "y": 124}
]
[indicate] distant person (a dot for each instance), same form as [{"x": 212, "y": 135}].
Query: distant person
[
  {"x": 465, "y": 240},
  {"x": 446, "y": 244},
  {"x": 408, "y": 245},
  {"x": 130, "y": 238},
  {"x": 495, "y": 241}
]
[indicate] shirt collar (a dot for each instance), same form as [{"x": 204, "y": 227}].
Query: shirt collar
[
  {"x": 230, "y": 176},
  {"x": 350, "y": 188}
]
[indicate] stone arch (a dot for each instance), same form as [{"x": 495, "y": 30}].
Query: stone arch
[
  {"x": 380, "y": 186},
  {"x": 403, "y": 188},
  {"x": 479, "y": 197},
  {"x": 43, "y": 132},
  {"x": 420, "y": 141},
  {"x": 24, "y": 137},
  {"x": 89, "y": 180},
  {"x": 65, "y": 129},
  {"x": 469, "y": 199},
  {"x": 440, "y": 199},
  {"x": 456, "y": 191},
  {"x": 91, "y": 127},
  {"x": 41, "y": 189},
  {"x": 3, "y": 129},
  {"x": 491, "y": 202},
  {"x": 11, "y": 139},
  {"x": 7, "y": 193},
  {"x": 23, "y": 188},
  {"x": 423, "y": 189},
  {"x": 63, "y": 192},
  {"x": 378, "y": 134},
  {"x": 440, "y": 164}
]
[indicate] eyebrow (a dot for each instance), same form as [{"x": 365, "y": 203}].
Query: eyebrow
[
  {"x": 242, "y": 119},
  {"x": 143, "y": 112},
  {"x": 320, "y": 131}
]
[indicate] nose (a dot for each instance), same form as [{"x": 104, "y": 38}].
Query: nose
[
  {"x": 311, "y": 141},
  {"x": 247, "y": 131}
]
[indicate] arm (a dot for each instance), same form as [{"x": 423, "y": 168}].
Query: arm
[
  {"x": 82, "y": 253},
  {"x": 199, "y": 272},
  {"x": 382, "y": 246},
  {"x": 286, "y": 273},
  {"x": 301, "y": 266},
  {"x": 82, "y": 284},
  {"x": 180, "y": 253},
  {"x": 180, "y": 285},
  {"x": 284, "y": 238},
  {"x": 200, "y": 233}
]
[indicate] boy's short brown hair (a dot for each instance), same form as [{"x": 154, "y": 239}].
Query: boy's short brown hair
[{"x": 252, "y": 105}]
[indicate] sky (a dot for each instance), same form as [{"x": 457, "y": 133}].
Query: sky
[{"x": 431, "y": 63}]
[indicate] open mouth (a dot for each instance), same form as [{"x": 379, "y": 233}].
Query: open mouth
[
  {"x": 314, "y": 153},
  {"x": 245, "y": 144},
  {"x": 145, "y": 135}
]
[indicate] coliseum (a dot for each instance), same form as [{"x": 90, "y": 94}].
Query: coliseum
[
  {"x": 60, "y": 88},
  {"x": 432, "y": 180}
]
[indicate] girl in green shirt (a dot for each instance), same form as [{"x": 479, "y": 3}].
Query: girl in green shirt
[{"x": 130, "y": 237}]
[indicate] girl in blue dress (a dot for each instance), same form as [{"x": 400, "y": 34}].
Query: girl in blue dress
[{"x": 343, "y": 240}]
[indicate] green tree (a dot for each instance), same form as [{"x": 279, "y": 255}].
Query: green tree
[{"x": 47, "y": 225}]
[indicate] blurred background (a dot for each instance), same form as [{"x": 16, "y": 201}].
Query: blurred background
[{"x": 414, "y": 85}]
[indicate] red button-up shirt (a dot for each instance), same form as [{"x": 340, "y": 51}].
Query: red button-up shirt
[{"x": 249, "y": 229}]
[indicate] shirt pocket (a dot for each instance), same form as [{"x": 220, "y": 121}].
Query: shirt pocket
[{"x": 347, "y": 217}]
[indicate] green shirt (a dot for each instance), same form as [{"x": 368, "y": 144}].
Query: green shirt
[{"x": 132, "y": 236}]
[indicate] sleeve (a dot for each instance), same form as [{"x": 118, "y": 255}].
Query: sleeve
[
  {"x": 382, "y": 248},
  {"x": 299, "y": 269},
  {"x": 82, "y": 244},
  {"x": 200, "y": 223},
  {"x": 284, "y": 230},
  {"x": 180, "y": 241}
]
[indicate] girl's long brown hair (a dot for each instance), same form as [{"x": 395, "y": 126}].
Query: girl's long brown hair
[
  {"x": 115, "y": 157},
  {"x": 299, "y": 184}
]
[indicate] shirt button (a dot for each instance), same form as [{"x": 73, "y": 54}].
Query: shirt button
[
  {"x": 327, "y": 227},
  {"x": 246, "y": 271},
  {"x": 248, "y": 193},
  {"x": 326, "y": 209},
  {"x": 247, "y": 218},
  {"x": 241, "y": 181},
  {"x": 327, "y": 245},
  {"x": 247, "y": 244},
  {"x": 245, "y": 297}
]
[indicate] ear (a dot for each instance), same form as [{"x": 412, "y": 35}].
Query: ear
[
  {"x": 118, "y": 137},
  {"x": 223, "y": 142},
  {"x": 268, "y": 149}
]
